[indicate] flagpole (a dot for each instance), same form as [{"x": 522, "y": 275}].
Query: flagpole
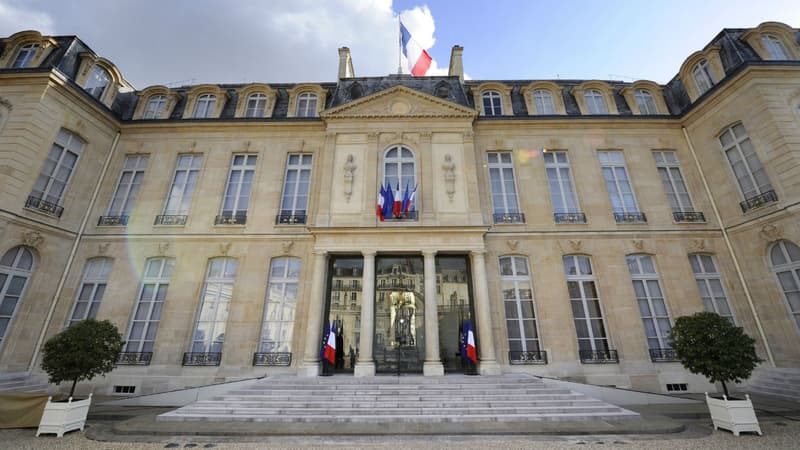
[{"x": 399, "y": 48}]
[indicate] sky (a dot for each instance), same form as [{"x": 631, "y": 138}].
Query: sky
[{"x": 178, "y": 42}]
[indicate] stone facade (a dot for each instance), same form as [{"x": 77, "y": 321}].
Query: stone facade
[{"x": 283, "y": 238}]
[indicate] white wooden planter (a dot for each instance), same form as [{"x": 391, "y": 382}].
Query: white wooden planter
[
  {"x": 733, "y": 415},
  {"x": 62, "y": 417}
]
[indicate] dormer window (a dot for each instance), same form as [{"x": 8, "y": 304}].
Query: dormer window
[
  {"x": 702, "y": 76},
  {"x": 25, "y": 56},
  {"x": 595, "y": 102},
  {"x": 204, "y": 107},
  {"x": 645, "y": 102},
  {"x": 256, "y": 105},
  {"x": 443, "y": 90},
  {"x": 774, "y": 47},
  {"x": 307, "y": 105},
  {"x": 544, "y": 102},
  {"x": 97, "y": 82},
  {"x": 492, "y": 104},
  {"x": 155, "y": 107}
]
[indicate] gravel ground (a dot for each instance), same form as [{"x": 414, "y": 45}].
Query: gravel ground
[{"x": 778, "y": 434}]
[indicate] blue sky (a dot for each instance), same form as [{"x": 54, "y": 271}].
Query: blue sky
[{"x": 193, "y": 41}]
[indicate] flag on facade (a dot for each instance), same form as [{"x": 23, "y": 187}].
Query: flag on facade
[
  {"x": 417, "y": 58},
  {"x": 325, "y": 333},
  {"x": 388, "y": 201},
  {"x": 469, "y": 344},
  {"x": 398, "y": 201},
  {"x": 379, "y": 208},
  {"x": 330, "y": 346},
  {"x": 407, "y": 203}
]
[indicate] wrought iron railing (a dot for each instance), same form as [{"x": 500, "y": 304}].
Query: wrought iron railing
[
  {"x": 290, "y": 219},
  {"x": 230, "y": 219},
  {"x": 135, "y": 358},
  {"x": 112, "y": 221},
  {"x": 508, "y": 217},
  {"x": 166, "y": 219},
  {"x": 412, "y": 215},
  {"x": 272, "y": 359},
  {"x": 663, "y": 355},
  {"x": 635, "y": 217},
  {"x": 530, "y": 357},
  {"x": 201, "y": 359},
  {"x": 689, "y": 216},
  {"x": 44, "y": 206},
  {"x": 758, "y": 201},
  {"x": 572, "y": 217},
  {"x": 598, "y": 356}
]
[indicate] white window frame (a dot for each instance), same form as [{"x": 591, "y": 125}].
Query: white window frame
[
  {"x": 292, "y": 202},
  {"x": 506, "y": 207},
  {"x": 520, "y": 275},
  {"x": 606, "y": 162},
  {"x": 646, "y": 279},
  {"x": 213, "y": 287},
  {"x": 183, "y": 191},
  {"x": 789, "y": 268},
  {"x": 565, "y": 184},
  {"x": 250, "y": 160},
  {"x": 204, "y": 106},
  {"x": 595, "y": 101},
  {"x": 128, "y": 184},
  {"x": 147, "y": 311},
  {"x": 581, "y": 278},
  {"x": 492, "y": 103},
  {"x": 282, "y": 314},
  {"x": 155, "y": 107},
  {"x": 774, "y": 46},
  {"x": 65, "y": 142},
  {"x": 398, "y": 162},
  {"x": 735, "y": 148},
  {"x": 98, "y": 81},
  {"x": 701, "y": 72},
  {"x": 543, "y": 102},
  {"x": 12, "y": 271},
  {"x": 645, "y": 101},
  {"x": 256, "y": 105},
  {"x": 307, "y": 104},
  {"x": 706, "y": 273},
  {"x": 97, "y": 288},
  {"x": 675, "y": 188},
  {"x": 25, "y": 55}
]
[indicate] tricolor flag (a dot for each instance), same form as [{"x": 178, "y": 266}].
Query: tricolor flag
[
  {"x": 388, "y": 200},
  {"x": 408, "y": 199},
  {"x": 330, "y": 346},
  {"x": 325, "y": 334},
  {"x": 417, "y": 58},
  {"x": 469, "y": 352},
  {"x": 379, "y": 208},
  {"x": 398, "y": 201}
]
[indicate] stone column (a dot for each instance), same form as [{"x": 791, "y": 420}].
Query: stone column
[
  {"x": 487, "y": 362},
  {"x": 316, "y": 305},
  {"x": 365, "y": 366},
  {"x": 433, "y": 363}
]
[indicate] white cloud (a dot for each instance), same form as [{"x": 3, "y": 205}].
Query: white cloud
[{"x": 14, "y": 19}]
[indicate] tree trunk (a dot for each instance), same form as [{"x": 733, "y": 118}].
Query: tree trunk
[
  {"x": 725, "y": 389},
  {"x": 72, "y": 391}
]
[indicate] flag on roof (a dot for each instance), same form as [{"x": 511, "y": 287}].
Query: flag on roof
[{"x": 417, "y": 58}]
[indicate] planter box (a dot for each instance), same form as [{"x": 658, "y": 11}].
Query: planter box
[
  {"x": 59, "y": 418},
  {"x": 733, "y": 415}
]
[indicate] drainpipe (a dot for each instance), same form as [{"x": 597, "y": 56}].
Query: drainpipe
[
  {"x": 730, "y": 249},
  {"x": 72, "y": 253}
]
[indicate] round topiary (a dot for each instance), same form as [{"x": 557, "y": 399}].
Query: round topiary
[
  {"x": 711, "y": 345},
  {"x": 82, "y": 351}
]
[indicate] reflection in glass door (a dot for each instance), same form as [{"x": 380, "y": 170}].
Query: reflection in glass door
[
  {"x": 399, "y": 315},
  {"x": 454, "y": 308},
  {"x": 344, "y": 309}
]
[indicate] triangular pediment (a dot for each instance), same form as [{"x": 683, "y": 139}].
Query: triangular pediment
[{"x": 399, "y": 102}]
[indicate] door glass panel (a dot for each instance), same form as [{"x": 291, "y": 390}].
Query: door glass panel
[
  {"x": 455, "y": 307},
  {"x": 399, "y": 345},
  {"x": 344, "y": 309}
]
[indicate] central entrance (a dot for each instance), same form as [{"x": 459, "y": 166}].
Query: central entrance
[{"x": 399, "y": 345}]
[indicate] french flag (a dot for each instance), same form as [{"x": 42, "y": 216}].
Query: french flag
[
  {"x": 469, "y": 343},
  {"x": 408, "y": 199},
  {"x": 398, "y": 201},
  {"x": 418, "y": 59},
  {"x": 379, "y": 208},
  {"x": 330, "y": 346}
]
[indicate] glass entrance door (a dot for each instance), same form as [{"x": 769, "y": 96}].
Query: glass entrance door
[
  {"x": 399, "y": 345},
  {"x": 344, "y": 309},
  {"x": 454, "y": 309}
]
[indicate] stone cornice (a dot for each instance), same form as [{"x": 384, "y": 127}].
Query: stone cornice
[{"x": 421, "y": 105}]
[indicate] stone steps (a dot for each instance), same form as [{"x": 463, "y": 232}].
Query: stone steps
[
  {"x": 394, "y": 404},
  {"x": 413, "y": 418}
]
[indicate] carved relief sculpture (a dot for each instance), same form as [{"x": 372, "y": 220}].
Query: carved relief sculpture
[
  {"x": 349, "y": 168},
  {"x": 449, "y": 168}
]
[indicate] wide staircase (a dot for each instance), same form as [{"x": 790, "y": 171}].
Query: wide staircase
[
  {"x": 391, "y": 399},
  {"x": 776, "y": 382}
]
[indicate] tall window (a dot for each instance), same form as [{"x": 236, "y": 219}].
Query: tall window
[
  {"x": 184, "y": 181},
  {"x": 306, "y": 105},
  {"x": 149, "y": 305},
  {"x": 399, "y": 169},
  {"x": 155, "y": 107},
  {"x": 750, "y": 174},
  {"x": 585, "y": 302},
  {"x": 671, "y": 177},
  {"x": 617, "y": 182},
  {"x": 93, "y": 286},
  {"x": 240, "y": 181},
  {"x": 774, "y": 47},
  {"x": 702, "y": 76},
  {"x": 212, "y": 315},
  {"x": 785, "y": 259},
  {"x": 652, "y": 306},
  {"x": 543, "y": 101},
  {"x": 645, "y": 102},
  {"x": 709, "y": 283},
  {"x": 492, "y": 104},
  {"x": 97, "y": 82},
  {"x": 280, "y": 306},
  {"x": 25, "y": 55},
  {"x": 204, "y": 106},
  {"x": 523, "y": 334},
  {"x": 296, "y": 181},
  {"x": 595, "y": 102},
  {"x": 559, "y": 179},
  {"x": 58, "y": 167},
  {"x": 256, "y": 105},
  {"x": 503, "y": 187},
  {"x": 130, "y": 179},
  {"x": 16, "y": 267}
]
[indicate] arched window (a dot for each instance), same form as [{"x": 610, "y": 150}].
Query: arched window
[
  {"x": 155, "y": 107},
  {"x": 204, "y": 106},
  {"x": 399, "y": 171},
  {"x": 586, "y": 310},
  {"x": 280, "y": 306},
  {"x": 492, "y": 103},
  {"x": 543, "y": 101},
  {"x": 774, "y": 47},
  {"x": 442, "y": 90},
  {"x": 306, "y": 105},
  {"x": 97, "y": 82},
  {"x": 25, "y": 55},
  {"x": 149, "y": 306},
  {"x": 709, "y": 283},
  {"x": 16, "y": 268},
  {"x": 595, "y": 102},
  {"x": 523, "y": 333},
  {"x": 212, "y": 314},
  {"x": 356, "y": 91},
  {"x": 256, "y": 105},
  {"x": 784, "y": 256},
  {"x": 93, "y": 286},
  {"x": 645, "y": 102},
  {"x": 702, "y": 76},
  {"x": 650, "y": 298}
]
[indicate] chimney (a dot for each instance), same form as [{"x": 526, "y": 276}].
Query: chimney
[
  {"x": 456, "y": 66},
  {"x": 345, "y": 63}
]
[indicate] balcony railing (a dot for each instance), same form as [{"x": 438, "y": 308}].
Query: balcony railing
[
  {"x": 508, "y": 217},
  {"x": 572, "y": 217},
  {"x": 297, "y": 218},
  {"x": 201, "y": 359},
  {"x": 689, "y": 216},
  {"x": 663, "y": 355},
  {"x": 531, "y": 357},
  {"x": 412, "y": 215},
  {"x": 598, "y": 356},
  {"x": 634, "y": 217},
  {"x": 272, "y": 359},
  {"x": 230, "y": 219},
  {"x": 166, "y": 219},
  {"x": 758, "y": 201},
  {"x": 135, "y": 358},
  {"x": 112, "y": 221},
  {"x": 43, "y": 206}
]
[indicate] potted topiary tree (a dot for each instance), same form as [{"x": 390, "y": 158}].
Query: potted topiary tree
[
  {"x": 81, "y": 352},
  {"x": 711, "y": 345}
]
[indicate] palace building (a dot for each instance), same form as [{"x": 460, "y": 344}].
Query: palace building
[{"x": 224, "y": 227}]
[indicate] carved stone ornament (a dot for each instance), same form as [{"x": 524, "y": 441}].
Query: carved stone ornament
[
  {"x": 449, "y": 169},
  {"x": 32, "y": 239},
  {"x": 771, "y": 232},
  {"x": 512, "y": 244},
  {"x": 699, "y": 244},
  {"x": 287, "y": 246},
  {"x": 224, "y": 248},
  {"x": 388, "y": 138},
  {"x": 349, "y": 168},
  {"x": 638, "y": 244},
  {"x": 163, "y": 247},
  {"x": 575, "y": 245},
  {"x": 468, "y": 136},
  {"x": 102, "y": 248},
  {"x": 7, "y": 104}
]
